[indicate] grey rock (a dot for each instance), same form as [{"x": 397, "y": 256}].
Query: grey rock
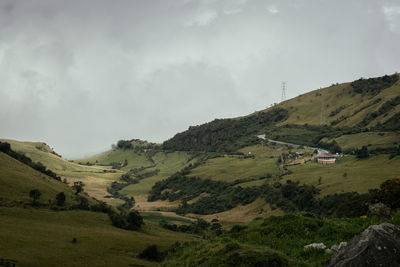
[
  {"x": 315, "y": 245},
  {"x": 329, "y": 251},
  {"x": 379, "y": 210},
  {"x": 378, "y": 245}
]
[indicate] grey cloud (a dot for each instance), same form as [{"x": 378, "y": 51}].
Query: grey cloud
[{"x": 80, "y": 75}]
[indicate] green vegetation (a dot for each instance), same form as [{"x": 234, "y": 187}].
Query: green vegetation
[
  {"x": 44, "y": 222},
  {"x": 211, "y": 170},
  {"x": 96, "y": 178},
  {"x": 235, "y": 168},
  {"x": 273, "y": 241},
  {"x": 383, "y": 141},
  {"x": 361, "y": 175},
  {"x": 374, "y": 86},
  {"x": 225, "y": 135},
  {"x": 40, "y": 237}
]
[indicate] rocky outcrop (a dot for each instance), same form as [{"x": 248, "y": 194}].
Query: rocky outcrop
[
  {"x": 379, "y": 210},
  {"x": 315, "y": 245},
  {"x": 378, "y": 245}
]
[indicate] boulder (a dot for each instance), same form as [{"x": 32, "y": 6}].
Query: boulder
[
  {"x": 315, "y": 245},
  {"x": 378, "y": 245},
  {"x": 338, "y": 247}
]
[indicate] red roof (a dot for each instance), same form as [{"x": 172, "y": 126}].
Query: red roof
[{"x": 326, "y": 156}]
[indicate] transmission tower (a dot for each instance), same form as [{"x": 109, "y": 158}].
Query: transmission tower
[
  {"x": 322, "y": 120},
  {"x": 283, "y": 97}
]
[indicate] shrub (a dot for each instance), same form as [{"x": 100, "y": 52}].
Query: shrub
[
  {"x": 60, "y": 197},
  {"x": 152, "y": 253},
  {"x": 35, "y": 195}
]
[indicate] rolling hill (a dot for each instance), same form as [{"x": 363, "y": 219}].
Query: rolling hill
[
  {"x": 226, "y": 171},
  {"x": 366, "y": 105},
  {"x": 42, "y": 233},
  {"x": 361, "y": 113}
]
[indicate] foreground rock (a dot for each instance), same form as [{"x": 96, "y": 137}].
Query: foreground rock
[{"x": 378, "y": 245}]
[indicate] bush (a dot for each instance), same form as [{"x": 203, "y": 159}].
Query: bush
[
  {"x": 130, "y": 221},
  {"x": 362, "y": 153},
  {"x": 152, "y": 253},
  {"x": 60, "y": 197},
  {"x": 35, "y": 195}
]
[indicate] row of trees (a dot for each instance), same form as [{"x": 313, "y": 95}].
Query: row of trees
[{"x": 35, "y": 194}]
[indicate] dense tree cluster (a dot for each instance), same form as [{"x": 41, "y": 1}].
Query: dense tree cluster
[
  {"x": 374, "y": 86},
  {"x": 225, "y": 134},
  {"x": 290, "y": 197}
]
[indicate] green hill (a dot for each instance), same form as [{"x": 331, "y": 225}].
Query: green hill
[
  {"x": 342, "y": 117},
  {"x": 42, "y": 233},
  {"x": 365, "y": 105},
  {"x": 96, "y": 178},
  {"x": 17, "y": 179}
]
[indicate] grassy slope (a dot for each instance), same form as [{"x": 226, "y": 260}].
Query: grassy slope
[
  {"x": 40, "y": 237},
  {"x": 94, "y": 177},
  {"x": 242, "y": 213},
  {"x": 43, "y": 238},
  {"x": 135, "y": 160},
  {"x": 167, "y": 162},
  {"x": 306, "y": 108},
  {"x": 361, "y": 174},
  {"x": 17, "y": 179},
  {"x": 231, "y": 168},
  {"x": 373, "y": 140}
]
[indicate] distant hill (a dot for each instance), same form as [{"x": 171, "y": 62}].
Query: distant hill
[{"x": 365, "y": 105}]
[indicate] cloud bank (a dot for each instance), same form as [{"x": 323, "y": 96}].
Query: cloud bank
[{"x": 80, "y": 75}]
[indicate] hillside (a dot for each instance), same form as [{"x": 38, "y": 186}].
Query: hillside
[
  {"x": 44, "y": 233},
  {"x": 365, "y": 105},
  {"x": 17, "y": 179},
  {"x": 273, "y": 241},
  {"x": 96, "y": 178}
]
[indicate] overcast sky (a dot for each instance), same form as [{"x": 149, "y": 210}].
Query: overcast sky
[{"x": 80, "y": 75}]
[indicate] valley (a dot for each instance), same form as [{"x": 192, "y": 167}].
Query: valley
[{"x": 209, "y": 179}]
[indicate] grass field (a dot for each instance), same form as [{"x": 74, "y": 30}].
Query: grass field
[
  {"x": 167, "y": 163},
  {"x": 231, "y": 168},
  {"x": 373, "y": 140},
  {"x": 242, "y": 213},
  {"x": 306, "y": 108},
  {"x": 35, "y": 237},
  {"x": 348, "y": 174},
  {"x": 94, "y": 177},
  {"x": 97, "y": 178},
  {"x": 135, "y": 159},
  {"x": 17, "y": 179}
]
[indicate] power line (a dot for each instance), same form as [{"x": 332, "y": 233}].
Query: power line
[
  {"x": 283, "y": 96},
  {"x": 322, "y": 120}
]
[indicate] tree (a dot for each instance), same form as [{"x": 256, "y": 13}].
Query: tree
[
  {"x": 35, "y": 195},
  {"x": 134, "y": 220},
  {"x": 78, "y": 187},
  {"x": 60, "y": 197},
  {"x": 363, "y": 153}
]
